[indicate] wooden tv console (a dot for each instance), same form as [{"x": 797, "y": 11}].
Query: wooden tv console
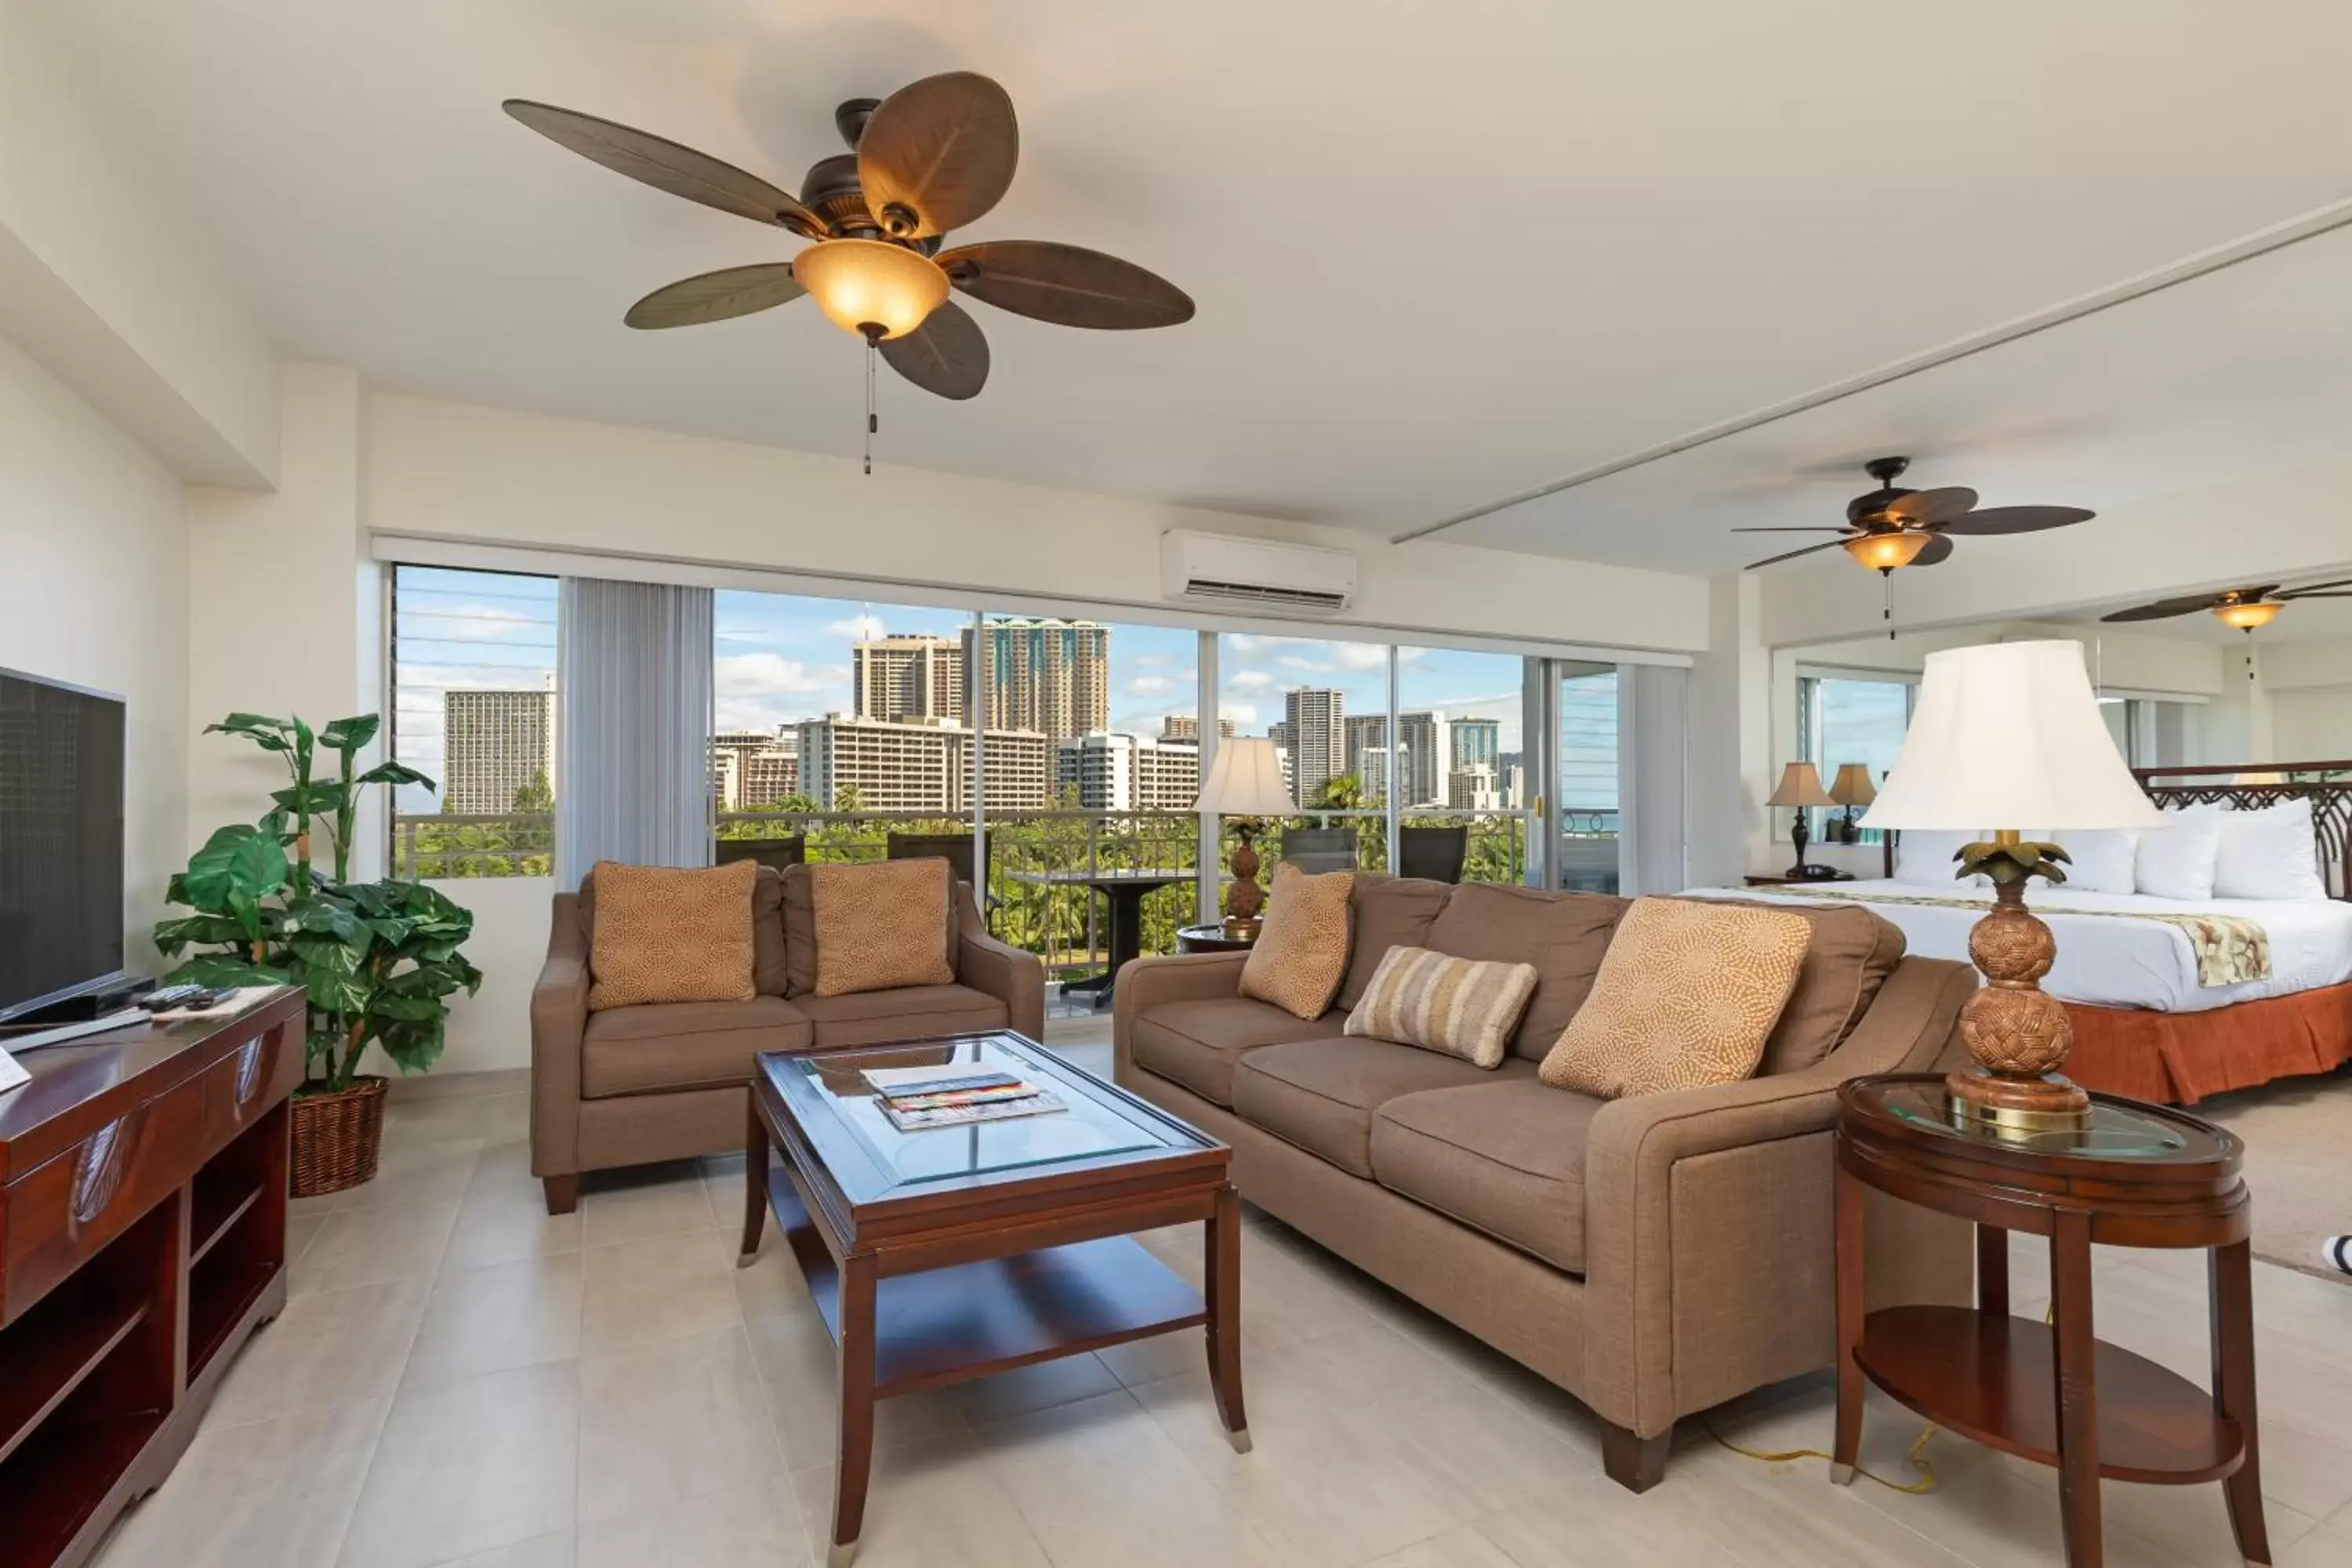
[{"x": 142, "y": 1237}]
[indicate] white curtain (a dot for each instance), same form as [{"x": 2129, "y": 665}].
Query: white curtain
[
  {"x": 1652, "y": 702},
  {"x": 632, "y": 726}
]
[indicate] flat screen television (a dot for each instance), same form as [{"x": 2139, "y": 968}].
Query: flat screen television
[{"x": 60, "y": 842}]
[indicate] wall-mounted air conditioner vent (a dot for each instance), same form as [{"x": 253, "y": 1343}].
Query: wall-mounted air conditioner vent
[{"x": 1215, "y": 568}]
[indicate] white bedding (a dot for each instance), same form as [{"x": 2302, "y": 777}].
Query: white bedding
[{"x": 2111, "y": 962}]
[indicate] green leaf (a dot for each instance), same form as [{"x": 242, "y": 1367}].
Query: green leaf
[
  {"x": 348, "y": 735},
  {"x": 237, "y": 868},
  {"x": 267, "y": 733},
  {"x": 171, "y": 936},
  {"x": 397, "y": 774},
  {"x": 219, "y": 969}
]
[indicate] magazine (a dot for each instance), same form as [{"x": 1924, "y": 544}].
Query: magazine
[
  {"x": 906, "y": 1119},
  {"x": 904, "y": 1083}
]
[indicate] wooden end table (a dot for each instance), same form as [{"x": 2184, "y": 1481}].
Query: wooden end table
[
  {"x": 946, "y": 1255},
  {"x": 2138, "y": 1176},
  {"x": 1210, "y": 939}
]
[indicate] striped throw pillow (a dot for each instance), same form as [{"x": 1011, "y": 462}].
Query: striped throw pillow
[{"x": 1465, "y": 1007}]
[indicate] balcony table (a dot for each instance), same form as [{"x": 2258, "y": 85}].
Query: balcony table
[{"x": 1124, "y": 891}]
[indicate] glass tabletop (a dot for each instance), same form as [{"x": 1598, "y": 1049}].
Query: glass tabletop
[
  {"x": 2113, "y": 1133},
  {"x": 1090, "y": 1126}
]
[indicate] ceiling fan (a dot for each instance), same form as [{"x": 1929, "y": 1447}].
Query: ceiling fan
[
  {"x": 1891, "y": 527},
  {"x": 2244, "y": 608},
  {"x": 934, "y": 156}
]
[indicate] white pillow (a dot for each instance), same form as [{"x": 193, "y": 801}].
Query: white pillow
[
  {"x": 2176, "y": 861},
  {"x": 2098, "y": 860},
  {"x": 1923, "y": 859},
  {"x": 2269, "y": 853}
]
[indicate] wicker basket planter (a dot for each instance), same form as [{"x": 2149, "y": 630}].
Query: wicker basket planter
[{"x": 338, "y": 1138}]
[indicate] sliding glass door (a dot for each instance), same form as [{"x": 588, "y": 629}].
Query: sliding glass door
[{"x": 1584, "y": 820}]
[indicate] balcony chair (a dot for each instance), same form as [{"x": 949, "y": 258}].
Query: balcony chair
[
  {"x": 1435, "y": 853},
  {"x": 773, "y": 853},
  {"x": 955, "y": 848},
  {"x": 1314, "y": 849}
]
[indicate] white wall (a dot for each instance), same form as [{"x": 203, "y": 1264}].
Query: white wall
[
  {"x": 93, "y": 532},
  {"x": 449, "y": 470},
  {"x": 491, "y": 1029}
]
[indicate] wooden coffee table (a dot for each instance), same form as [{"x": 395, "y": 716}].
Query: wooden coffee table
[{"x": 947, "y": 1255}]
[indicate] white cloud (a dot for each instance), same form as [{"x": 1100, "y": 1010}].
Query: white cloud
[
  {"x": 478, "y": 622},
  {"x": 772, "y": 675},
  {"x": 1151, "y": 686},
  {"x": 1242, "y": 714},
  {"x": 1242, "y": 642},
  {"x": 1311, "y": 666},
  {"x": 1360, "y": 655},
  {"x": 1250, "y": 681},
  {"x": 865, "y": 626}
]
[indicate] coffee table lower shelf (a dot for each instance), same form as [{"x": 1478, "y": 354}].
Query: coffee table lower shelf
[
  {"x": 951, "y": 1325},
  {"x": 1991, "y": 1377}
]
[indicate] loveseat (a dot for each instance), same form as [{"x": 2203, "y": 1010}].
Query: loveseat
[
  {"x": 1653, "y": 1256},
  {"x": 627, "y": 1086}
]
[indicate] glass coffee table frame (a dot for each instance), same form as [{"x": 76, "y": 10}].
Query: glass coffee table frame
[{"x": 1000, "y": 1253}]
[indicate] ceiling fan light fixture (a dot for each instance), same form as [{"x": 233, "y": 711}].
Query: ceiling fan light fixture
[
  {"x": 1886, "y": 551},
  {"x": 862, "y": 282},
  {"x": 2247, "y": 614}
]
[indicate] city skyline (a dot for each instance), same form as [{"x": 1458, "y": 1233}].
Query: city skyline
[{"x": 780, "y": 660}]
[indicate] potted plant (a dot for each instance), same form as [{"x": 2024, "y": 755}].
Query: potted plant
[{"x": 378, "y": 959}]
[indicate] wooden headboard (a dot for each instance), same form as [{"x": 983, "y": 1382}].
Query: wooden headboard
[{"x": 2327, "y": 785}]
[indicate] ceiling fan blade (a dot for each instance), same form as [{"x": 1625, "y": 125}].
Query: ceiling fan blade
[
  {"x": 2165, "y": 609},
  {"x": 1808, "y": 550},
  {"x": 948, "y": 354},
  {"x": 2016, "y": 520},
  {"x": 1066, "y": 284},
  {"x": 667, "y": 166},
  {"x": 1932, "y": 506},
  {"x": 2313, "y": 594},
  {"x": 717, "y": 296},
  {"x": 1937, "y": 550},
  {"x": 938, "y": 153},
  {"x": 1787, "y": 530},
  {"x": 2310, "y": 589}
]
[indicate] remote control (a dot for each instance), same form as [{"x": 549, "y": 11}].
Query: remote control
[{"x": 164, "y": 998}]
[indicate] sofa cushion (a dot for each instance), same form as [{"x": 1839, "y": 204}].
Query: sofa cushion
[
  {"x": 1386, "y": 911},
  {"x": 1505, "y": 1157},
  {"x": 1852, "y": 952},
  {"x": 798, "y": 898},
  {"x": 1321, "y": 1094},
  {"x": 1465, "y": 1007},
  {"x": 1689, "y": 994},
  {"x": 668, "y": 934},
  {"x": 683, "y": 1044},
  {"x": 1196, "y": 1043},
  {"x": 1562, "y": 935},
  {"x": 910, "y": 1013},
  {"x": 1300, "y": 958}
]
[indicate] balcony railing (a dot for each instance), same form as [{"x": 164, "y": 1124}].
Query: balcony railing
[{"x": 1037, "y": 862}]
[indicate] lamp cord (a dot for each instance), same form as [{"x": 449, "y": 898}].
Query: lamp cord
[{"x": 1917, "y": 1458}]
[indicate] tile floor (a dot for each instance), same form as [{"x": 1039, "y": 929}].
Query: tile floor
[{"x": 461, "y": 1380}]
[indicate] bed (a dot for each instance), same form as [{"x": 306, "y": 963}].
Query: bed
[{"x": 2146, "y": 1023}]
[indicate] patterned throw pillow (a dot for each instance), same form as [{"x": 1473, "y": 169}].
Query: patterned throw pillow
[
  {"x": 1687, "y": 994},
  {"x": 663, "y": 935},
  {"x": 1301, "y": 955},
  {"x": 879, "y": 927},
  {"x": 1465, "y": 1007}
]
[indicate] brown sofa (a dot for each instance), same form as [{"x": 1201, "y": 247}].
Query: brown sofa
[
  {"x": 1652, "y": 1255},
  {"x": 625, "y": 1086}
]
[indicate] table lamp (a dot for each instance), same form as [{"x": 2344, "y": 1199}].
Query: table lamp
[
  {"x": 1801, "y": 787},
  {"x": 1852, "y": 787},
  {"x": 1245, "y": 782},
  {"x": 2006, "y": 734}
]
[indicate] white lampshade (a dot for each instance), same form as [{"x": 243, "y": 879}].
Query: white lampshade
[
  {"x": 2008, "y": 736},
  {"x": 1246, "y": 780}
]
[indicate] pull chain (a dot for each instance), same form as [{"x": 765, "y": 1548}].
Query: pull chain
[
  {"x": 873, "y": 424},
  {"x": 1886, "y": 576}
]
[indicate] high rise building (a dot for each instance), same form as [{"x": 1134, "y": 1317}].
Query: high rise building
[
  {"x": 1366, "y": 735},
  {"x": 754, "y": 769},
  {"x": 1472, "y": 789},
  {"x": 1372, "y": 773},
  {"x": 1049, "y": 676},
  {"x": 1127, "y": 773},
  {"x": 924, "y": 766},
  {"x": 1423, "y": 757},
  {"x": 1314, "y": 717},
  {"x": 1477, "y": 742},
  {"x": 1186, "y": 727},
  {"x": 907, "y": 676},
  {"x": 494, "y": 744}
]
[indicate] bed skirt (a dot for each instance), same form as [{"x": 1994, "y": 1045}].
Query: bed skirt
[{"x": 2178, "y": 1058}]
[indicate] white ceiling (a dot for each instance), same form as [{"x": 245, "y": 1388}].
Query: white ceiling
[{"x": 1441, "y": 254}]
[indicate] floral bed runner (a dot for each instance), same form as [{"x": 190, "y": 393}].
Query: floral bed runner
[{"x": 2230, "y": 949}]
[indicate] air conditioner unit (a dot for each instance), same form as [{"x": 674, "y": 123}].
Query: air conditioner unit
[{"x": 1218, "y": 569}]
